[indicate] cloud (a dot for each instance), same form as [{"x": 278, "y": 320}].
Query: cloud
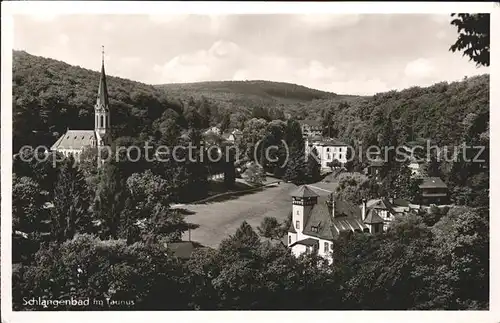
[
  {"x": 419, "y": 69},
  {"x": 442, "y": 19},
  {"x": 200, "y": 65},
  {"x": 317, "y": 72},
  {"x": 168, "y": 19},
  {"x": 43, "y": 17},
  {"x": 343, "y": 53},
  {"x": 319, "y": 21}
]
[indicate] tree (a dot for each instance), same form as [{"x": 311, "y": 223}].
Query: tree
[
  {"x": 354, "y": 188},
  {"x": 254, "y": 174},
  {"x": 293, "y": 136},
  {"x": 296, "y": 168},
  {"x": 461, "y": 245},
  {"x": 313, "y": 170},
  {"x": 130, "y": 276},
  {"x": 473, "y": 37},
  {"x": 27, "y": 203},
  {"x": 229, "y": 168},
  {"x": 334, "y": 164},
  {"x": 271, "y": 229},
  {"x": 148, "y": 189},
  {"x": 400, "y": 182},
  {"x": 110, "y": 202},
  {"x": 432, "y": 167},
  {"x": 70, "y": 213},
  {"x": 226, "y": 122}
]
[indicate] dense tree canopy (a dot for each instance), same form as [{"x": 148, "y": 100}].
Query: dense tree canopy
[{"x": 473, "y": 36}]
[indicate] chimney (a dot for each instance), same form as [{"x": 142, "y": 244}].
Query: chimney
[{"x": 363, "y": 209}]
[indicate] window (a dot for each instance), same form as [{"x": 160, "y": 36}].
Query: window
[
  {"x": 102, "y": 122},
  {"x": 327, "y": 150},
  {"x": 297, "y": 225},
  {"x": 328, "y": 156},
  {"x": 314, "y": 229},
  {"x": 327, "y": 247},
  {"x": 298, "y": 212},
  {"x": 289, "y": 240}
]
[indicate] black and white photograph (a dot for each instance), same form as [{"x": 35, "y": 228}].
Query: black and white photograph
[{"x": 190, "y": 161}]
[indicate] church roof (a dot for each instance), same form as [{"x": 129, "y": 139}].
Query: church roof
[
  {"x": 304, "y": 191},
  {"x": 75, "y": 139}
]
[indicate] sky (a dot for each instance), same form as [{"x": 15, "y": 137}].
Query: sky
[{"x": 346, "y": 54}]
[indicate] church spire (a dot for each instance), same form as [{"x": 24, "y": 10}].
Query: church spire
[
  {"x": 102, "y": 94},
  {"x": 102, "y": 113}
]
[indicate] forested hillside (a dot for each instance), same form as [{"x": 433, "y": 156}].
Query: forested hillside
[
  {"x": 237, "y": 95},
  {"x": 49, "y": 96},
  {"x": 441, "y": 112}
]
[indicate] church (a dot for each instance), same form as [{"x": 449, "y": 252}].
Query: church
[{"x": 73, "y": 142}]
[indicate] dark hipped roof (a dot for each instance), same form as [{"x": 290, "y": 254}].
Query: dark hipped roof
[
  {"x": 373, "y": 218},
  {"x": 75, "y": 139},
  {"x": 347, "y": 218},
  {"x": 304, "y": 191},
  {"x": 310, "y": 242},
  {"x": 432, "y": 182},
  {"x": 386, "y": 204}
]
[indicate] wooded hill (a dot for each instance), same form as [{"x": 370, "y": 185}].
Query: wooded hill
[{"x": 50, "y": 95}]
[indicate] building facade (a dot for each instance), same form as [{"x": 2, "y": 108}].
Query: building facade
[
  {"x": 328, "y": 150},
  {"x": 433, "y": 191},
  {"x": 73, "y": 142},
  {"x": 311, "y": 128},
  {"x": 387, "y": 209}
]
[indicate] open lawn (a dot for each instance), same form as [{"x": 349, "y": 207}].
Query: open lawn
[{"x": 219, "y": 219}]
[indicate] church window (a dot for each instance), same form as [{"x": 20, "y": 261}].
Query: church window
[
  {"x": 102, "y": 121},
  {"x": 297, "y": 225},
  {"x": 289, "y": 239},
  {"x": 327, "y": 247}
]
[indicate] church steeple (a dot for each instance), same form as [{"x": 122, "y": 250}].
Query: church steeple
[
  {"x": 102, "y": 115},
  {"x": 102, "y": 94}
]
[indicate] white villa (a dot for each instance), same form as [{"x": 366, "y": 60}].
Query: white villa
[
  {"x": 328, "y": 150},
  {"x": 73, "y": 142}
]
